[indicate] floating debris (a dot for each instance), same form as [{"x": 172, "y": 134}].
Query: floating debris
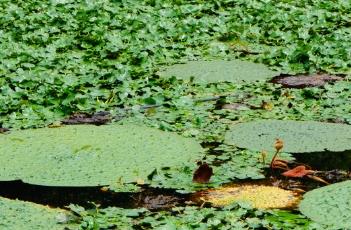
[
  {"x": 235, "y": 106},
  {"x": 99, "y": 118},
  {"x": 303, "y": 81},
  {"x": 4, "y": 130}
]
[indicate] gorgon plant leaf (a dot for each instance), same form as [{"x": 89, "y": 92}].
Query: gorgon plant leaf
[
  {"x": 86, "y": 155},
  {"x": 16, "y": 214},
  {"x": 298, "y": 136},
  {"x": 329, "y": 205},
  {"x": 219, "y": 70}
]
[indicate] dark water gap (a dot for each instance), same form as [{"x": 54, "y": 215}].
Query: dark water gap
[
  {"x": 325, "y": 161},
  {"x": 88, "y": 197}
]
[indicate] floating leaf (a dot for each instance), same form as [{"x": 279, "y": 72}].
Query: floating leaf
[
  {"x": 203, "y": 173},
  {"x": 17, "y": 214},
  {"x": 260, "y": 196},
  {"x": 302, "y": 81},
  {"x": 298, "y": 136},
  {"x": 215, "y": 71},
  {"x": 329, "y": 205},
  {"x": 88, "y": 155},
  {"x": 299, "y": 171}
]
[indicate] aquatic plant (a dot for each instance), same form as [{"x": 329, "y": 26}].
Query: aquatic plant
[
  {"x": 219, "y": 70},
  {"x": 86, "y": 155}
]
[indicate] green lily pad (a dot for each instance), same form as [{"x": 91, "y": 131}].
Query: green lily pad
[
  {"x": 298, "y": 136},
  {"x": 17, "y": 214},
  {"x": 87, "y": 155},
  {"x": 216, "y": 71},
  {"x": 329, "y": 205}
]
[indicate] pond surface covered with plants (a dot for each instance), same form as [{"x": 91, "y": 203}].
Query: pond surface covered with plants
[{"x": 160, "y": 114}]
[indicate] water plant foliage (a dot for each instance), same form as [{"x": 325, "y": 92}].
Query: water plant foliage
[
  {"x": 236, "y": 216},
  {"x": 63, "y": 57},
  {"x": 298, "y": 136},
  {"x": 58, "y": 57},
  {"x": 329, "y": 205},
  {"x": 87, "y": 155},
  {"x": 16, "y": 214},
  {"x": 219, "y": 70}
]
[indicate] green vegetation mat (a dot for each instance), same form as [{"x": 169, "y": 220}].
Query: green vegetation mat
[
  {"x": 238, "y": 216},
  {"x": 62, "y": 57}
]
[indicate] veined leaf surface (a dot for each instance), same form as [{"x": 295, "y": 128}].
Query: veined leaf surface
[
  {"x": 298, "y": 136},
  {"x": 87, "y": 155},
  {"x": 219, "y": 70}
]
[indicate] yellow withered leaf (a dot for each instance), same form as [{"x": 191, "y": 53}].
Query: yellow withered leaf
[{"x": 260, "y": 196}]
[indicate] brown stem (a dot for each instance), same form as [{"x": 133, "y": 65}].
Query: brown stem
[{"x": 273, "y": 159}]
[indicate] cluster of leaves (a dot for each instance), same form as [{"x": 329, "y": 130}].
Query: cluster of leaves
[
  {"x": 229, "y": 164},
  {"x": 319, "y": 104},
  {"x": 190, "y": 113},
  {"x": 63, "y": 56},
  {"x": 237, "y": 216},
  {"x": 295, "y": 36}
]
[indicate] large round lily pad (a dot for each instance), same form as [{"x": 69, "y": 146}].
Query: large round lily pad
[
  {"x": 330, "y": 205},
  {"x": 216, "y": 71},
  {"x": 87, "y": 155},
  {"x": 17, "y": 214},
  {"x": 298, "y": 136}
]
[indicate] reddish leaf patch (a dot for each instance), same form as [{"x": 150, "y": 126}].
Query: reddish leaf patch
[
  {"x": 4, "y": 130},
  {"x": 299, "y": 171},
  {"x": 203, "y": 173},
  {"x": 302, "y": 81}
]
